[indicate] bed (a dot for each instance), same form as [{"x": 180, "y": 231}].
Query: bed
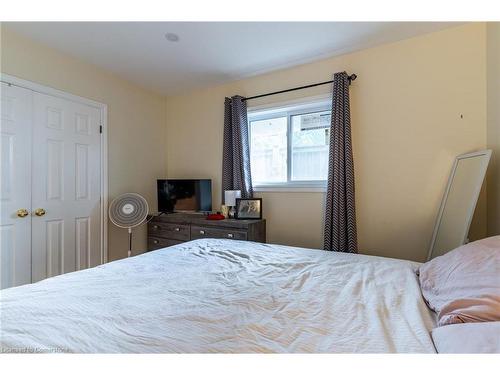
[{"x": 224, "y": 296}]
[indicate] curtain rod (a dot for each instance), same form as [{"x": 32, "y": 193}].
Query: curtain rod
[{"x": 351, "y": 78}]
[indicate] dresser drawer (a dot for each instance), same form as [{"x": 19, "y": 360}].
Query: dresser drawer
[
  {"x": 206, "y": 232},
  {"x": 167, "y": 230},
  {"x": 159, "y": 243}
]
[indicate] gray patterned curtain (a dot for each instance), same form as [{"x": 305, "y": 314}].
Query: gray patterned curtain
[
  {"x": 340, "y": 213},
  {"x": 236, "y": 152}
]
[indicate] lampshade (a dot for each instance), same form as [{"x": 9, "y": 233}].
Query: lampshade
[{"x": 230, "y": 197}]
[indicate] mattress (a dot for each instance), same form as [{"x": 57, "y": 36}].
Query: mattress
[{"x": 223, "y": 296}]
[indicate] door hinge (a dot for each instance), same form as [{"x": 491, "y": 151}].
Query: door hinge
[{"x": 100, "y": 129}]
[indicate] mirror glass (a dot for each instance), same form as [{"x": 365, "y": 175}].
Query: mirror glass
[{"x": 459, "y": 202}]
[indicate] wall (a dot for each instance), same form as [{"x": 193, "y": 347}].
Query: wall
[
  {"x": 493, "y": 128},
  {"x": 406, "y": 107},
  {"x": 136, "y": 120},
  {"x": 407, "y": 128}
]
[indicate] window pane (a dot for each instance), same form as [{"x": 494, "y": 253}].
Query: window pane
[
  {"x": 310, "y": 140},
  {"x": 268, "y": 146}
]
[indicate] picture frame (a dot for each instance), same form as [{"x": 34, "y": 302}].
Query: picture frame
[{"x": 248, "y": 208}]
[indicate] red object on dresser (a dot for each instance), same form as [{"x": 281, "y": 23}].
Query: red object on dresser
[{"x": 215, "y": 217}]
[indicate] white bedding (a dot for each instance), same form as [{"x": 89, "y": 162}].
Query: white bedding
[{"x": 223, "y": 296}]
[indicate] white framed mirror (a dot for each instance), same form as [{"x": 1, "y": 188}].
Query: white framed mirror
[{"x": 459, "y": 202}]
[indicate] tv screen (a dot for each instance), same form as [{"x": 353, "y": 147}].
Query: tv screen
[{"x": 184, "y": 195}]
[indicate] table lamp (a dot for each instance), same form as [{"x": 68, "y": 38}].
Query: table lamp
[{"x": 230, "y": 200}]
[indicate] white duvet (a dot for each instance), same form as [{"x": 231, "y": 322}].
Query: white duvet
[{"x": 223, "y": 296}]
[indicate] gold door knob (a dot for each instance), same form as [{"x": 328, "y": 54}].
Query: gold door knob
[
  {"x": 39, "y": 212},
  {"x": 22, "y": 212}
]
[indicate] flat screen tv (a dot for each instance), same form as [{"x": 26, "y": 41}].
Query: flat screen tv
[{"x": 184, "y": 195}]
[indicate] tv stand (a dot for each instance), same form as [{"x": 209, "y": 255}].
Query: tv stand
[{"x": 178, "y": 227}]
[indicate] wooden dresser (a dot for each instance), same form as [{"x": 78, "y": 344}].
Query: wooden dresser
[{"x": 172, "y": 229}]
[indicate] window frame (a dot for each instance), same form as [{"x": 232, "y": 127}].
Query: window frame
[{"x": 302, "y": 107}]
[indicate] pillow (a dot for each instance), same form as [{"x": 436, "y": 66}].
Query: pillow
[
  {"x": 467, "y": 338},
  {"x": 464, "y": 285},
  {"x": 485, "y": 308}
]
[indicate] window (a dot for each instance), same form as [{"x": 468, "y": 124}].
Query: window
[{"x": 289, "y": 145}]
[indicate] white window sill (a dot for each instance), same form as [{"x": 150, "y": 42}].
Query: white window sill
[{"x": 290, "y": 188}]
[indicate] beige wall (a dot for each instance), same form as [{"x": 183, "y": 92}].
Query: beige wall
[
  {"x": 136, "y": 120},
  {"x": 407, "y": 128},
  {"x": 493, "y": 129}
]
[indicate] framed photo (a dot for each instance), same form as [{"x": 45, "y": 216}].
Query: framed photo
[{"x": 248, "y": 208}]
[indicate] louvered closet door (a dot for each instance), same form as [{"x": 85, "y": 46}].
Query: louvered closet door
[
  {"x": 15, "y": 186},
  {"x": 66, "y": 187}
]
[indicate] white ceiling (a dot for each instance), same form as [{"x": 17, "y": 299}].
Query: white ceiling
[{"x": 211, "y": 53}]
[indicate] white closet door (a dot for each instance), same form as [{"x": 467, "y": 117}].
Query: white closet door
[
  {"x": 15, "y": 186},
  {"x": 66, "y": 187}
]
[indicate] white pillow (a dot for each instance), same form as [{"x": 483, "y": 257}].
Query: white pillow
[{"x": 467, "y": 338}]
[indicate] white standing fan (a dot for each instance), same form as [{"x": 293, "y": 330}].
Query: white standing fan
[{"x": 128, "y": 210}]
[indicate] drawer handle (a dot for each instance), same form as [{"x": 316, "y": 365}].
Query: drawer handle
[
  {"x": 156, "y": 242},
  {"x": 155, "y": 226},
  {"x": 202, "y": 232},
  {"x": 177, "y": 229},
  {"x": 230, "y": 235}
]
